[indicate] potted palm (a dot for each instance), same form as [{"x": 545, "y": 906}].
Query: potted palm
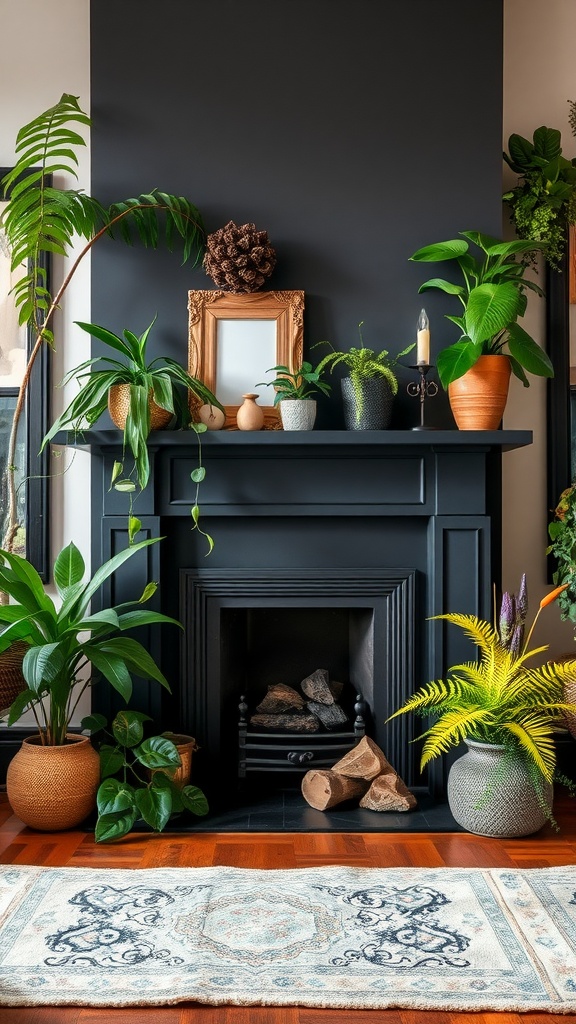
[
  {"x": 475, "y": 370},
  {"x": 294, "y": 390},
  {"x": 369, "y": 389},
  {"x": 506, "y": 711},
  {"x": 40, "y": 218},
  {"x": 52, "y": 780}
]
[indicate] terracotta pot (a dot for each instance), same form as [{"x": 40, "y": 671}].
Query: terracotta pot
[
  {"x": 250, "y": 416},
  {"x": 478, "y": 399},
  {"x": 12, "y": 681},
  {"x": 53, "y": 788},
  {"x": 119, "y": 407}
]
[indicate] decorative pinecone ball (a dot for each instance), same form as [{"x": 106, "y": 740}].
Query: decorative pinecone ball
[{"x": 239, "y": 258}]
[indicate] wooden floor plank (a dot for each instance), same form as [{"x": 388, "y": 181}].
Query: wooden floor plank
[{"x": 19, "y": 845}]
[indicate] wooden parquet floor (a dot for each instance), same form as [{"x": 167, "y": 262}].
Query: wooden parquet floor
[{"x": 19, "y": 845}]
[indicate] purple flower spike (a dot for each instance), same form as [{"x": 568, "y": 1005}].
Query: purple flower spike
[
  {"x": 507, "y": 618},
  {"x": 522, "y": 600},
  {"x": 517, "y": 640}
]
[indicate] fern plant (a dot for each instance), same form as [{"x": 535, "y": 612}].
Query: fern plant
[
  {"x": 363, "y": 364},
  {"x": 40, "y": 218},
  {"x": 499, "y": 699}
]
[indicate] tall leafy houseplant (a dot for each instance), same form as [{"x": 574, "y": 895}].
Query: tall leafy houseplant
[
  {"x": 562, "y": 533},
  {"x": 40, "y": 218},
  {"x": 492, "y": 293},
  {"x": 64, "y": 642},
  {"x": 543, "y": 202},
  {"x": 502, "y": 699}
]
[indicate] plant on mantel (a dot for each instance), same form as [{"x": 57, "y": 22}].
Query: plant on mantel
[{"x": 40, "y": 218}]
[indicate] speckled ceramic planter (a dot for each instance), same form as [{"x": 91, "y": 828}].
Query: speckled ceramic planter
[{"x": 298, "y": 413}]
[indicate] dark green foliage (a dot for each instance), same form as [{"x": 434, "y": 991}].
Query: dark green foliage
[
  {"x": 493, "y": 297},
  {"x": 562, "y": 533},
  {"x": 302, "y": 383},
  {"x": 137, "y": 778}
]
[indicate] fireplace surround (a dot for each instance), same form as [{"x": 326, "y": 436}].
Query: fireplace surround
[{"x": 332, "y": 548}]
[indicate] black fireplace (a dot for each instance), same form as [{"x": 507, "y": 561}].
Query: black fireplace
[{"x": 332, "y": 548}]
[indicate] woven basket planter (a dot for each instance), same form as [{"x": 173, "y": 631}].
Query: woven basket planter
[
  {"x": 119, "y": 407},
  {"x": 511, "y": 808},
  {"x": 53, "y": 788},
  {"x": 570, "y": 698},
  {"x": 185, "y": 745},
  {"x": 12, "y": 681}
]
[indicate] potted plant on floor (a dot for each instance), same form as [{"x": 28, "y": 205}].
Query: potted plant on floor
[
  {"x": 506, "y": 712},
  {"x": 52, "y": 780},
  {"x": 476, "y": 369},
  {"x": 139, "y": 778},
  {"x": 294, "y": 392},
  {"x": 369, "y": 389},
  {"x": 40, "y": 218}
]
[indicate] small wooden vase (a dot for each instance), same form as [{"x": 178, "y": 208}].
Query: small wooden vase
[{"x": 250, "y": 416}]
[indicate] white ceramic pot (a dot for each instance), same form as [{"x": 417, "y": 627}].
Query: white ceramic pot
[{"x": 298, "y": 413}]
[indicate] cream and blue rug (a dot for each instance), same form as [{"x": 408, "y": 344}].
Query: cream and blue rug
[{"x": 360, "y": 938}]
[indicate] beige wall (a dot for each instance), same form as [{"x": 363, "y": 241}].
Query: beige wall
[{"x": 539, "y": 79}]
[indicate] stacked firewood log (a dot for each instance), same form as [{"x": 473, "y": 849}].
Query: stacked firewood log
[
  {"x": 363, "y": 773},
  {"x": 312, "y": 707}
]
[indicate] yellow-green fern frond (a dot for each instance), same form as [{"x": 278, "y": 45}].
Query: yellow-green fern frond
[
  {"x": 535, "y": 739},
  {"x": 481, "y": 632},
  {"x": 435, "y": 697},
  {"x": 452, "y": 729}
]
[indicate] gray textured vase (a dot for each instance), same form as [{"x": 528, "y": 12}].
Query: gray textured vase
[
  {"x": 512, "y": 808},
  {"x": 376, "y": 404},
  {"x": 298, "y": 413}
]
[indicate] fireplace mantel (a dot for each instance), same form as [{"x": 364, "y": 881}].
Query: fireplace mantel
[{"x": 420, "y": 510}]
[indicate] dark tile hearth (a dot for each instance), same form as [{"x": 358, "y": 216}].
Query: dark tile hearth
[{"x": 286, "y": 810}]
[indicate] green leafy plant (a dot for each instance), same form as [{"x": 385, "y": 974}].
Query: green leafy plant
[
  {"x": 300, "y": 383},
  {"x": 137, "y": 778},
  {"x": 562, "y": 534},
  {"x": 69, "y": 647},
  {"x": 156, "y": 379},
  {"x": 40, "y": 218},
  {"x": 493, "y": 297},
  {"x": 499, "y": 699},
  {"x": 544, "y": 200},
  {"x": 363, "y": 364}
]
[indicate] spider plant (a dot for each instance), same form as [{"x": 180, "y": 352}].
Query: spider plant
[
  {"x": 499, "y": 699},
  {"x": 40, "y": 218}
]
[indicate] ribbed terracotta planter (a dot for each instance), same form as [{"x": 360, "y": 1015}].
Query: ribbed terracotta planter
[
  {"x": 53, "y": 788},
  {"x": 478, "y": 399},
  {"x": 119, "y": 407}
]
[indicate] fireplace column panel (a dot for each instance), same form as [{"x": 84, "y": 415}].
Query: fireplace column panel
[{"x": 420, "y": 510}]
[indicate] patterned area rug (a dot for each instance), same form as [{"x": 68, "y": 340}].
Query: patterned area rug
[{"x": 359, "y": 938}]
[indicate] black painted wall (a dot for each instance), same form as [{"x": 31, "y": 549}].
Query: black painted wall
[{"x": 353, "y": 131}]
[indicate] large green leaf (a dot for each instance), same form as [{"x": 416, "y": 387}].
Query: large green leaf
[
  {"x": 440, "y": 251},
  {"x": 111, "y": 760},
  {"x": 69, "y": 568},
  {"x": 130, "y": 652},
  {"x": 523, "y": 348},
  {"x": 521, "y": 153},
  {"x": 25, "y": 581},
  {"x": 127, "y": 348},
  {"x": 114, "y": 824},
  {"x": 491, "y": 308},
  {"x": 106, "y": 570},
  {"x": 114, "y": 795},
  {"x": 155, "y": 806},
  {"x": 444, "y": 286},
  {"x": 158, "y": 752},
  {"x": 112, "y": 667},
  {"x": 547, "y": 143},
  {"x": 454, "y": 361},
  {"x": 128, "y": 729},
  {"x": 43, "y": 665},
  {"x": 194, "y": 800}
]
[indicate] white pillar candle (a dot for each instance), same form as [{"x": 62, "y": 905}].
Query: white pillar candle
[{"x": 423, "y": 339}]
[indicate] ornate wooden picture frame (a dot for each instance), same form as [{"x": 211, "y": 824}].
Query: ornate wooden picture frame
[{"x": 220, "y": 321}]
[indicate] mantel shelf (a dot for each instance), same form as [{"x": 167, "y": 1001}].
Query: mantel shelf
[{"x": 435, "y": 440}]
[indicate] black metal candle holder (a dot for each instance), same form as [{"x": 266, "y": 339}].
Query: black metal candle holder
[{"x": 422, "y": 389}]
